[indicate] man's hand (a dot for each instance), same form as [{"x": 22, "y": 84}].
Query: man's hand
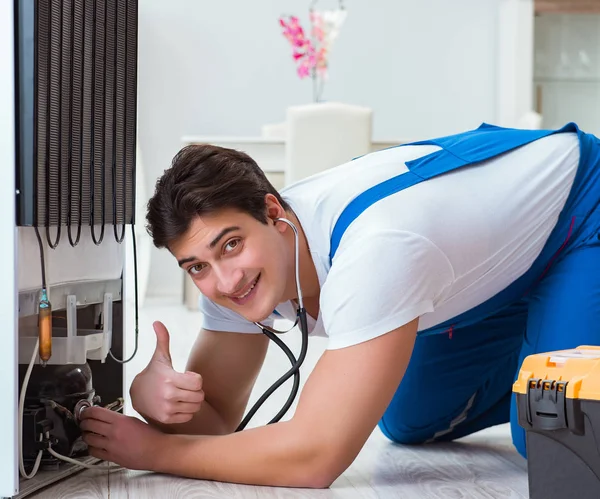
[
  {"x": 120, "y": 439},
  {"x": 161, "y": 393},
  {"x": 344, "y": 397}
]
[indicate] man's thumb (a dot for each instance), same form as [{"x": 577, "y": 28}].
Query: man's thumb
[{"x": 162, "y": 353}]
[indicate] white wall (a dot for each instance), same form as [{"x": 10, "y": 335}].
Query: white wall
[
  {"x": 515, "y": 61},
  {"x": 426, "y": 67}
]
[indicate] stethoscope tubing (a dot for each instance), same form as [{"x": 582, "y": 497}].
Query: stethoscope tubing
[{"x": 272, "y": 335}]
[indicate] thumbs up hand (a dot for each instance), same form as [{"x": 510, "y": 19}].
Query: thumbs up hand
[
  {"x": 162, "y": 352},
  {"x": 163, "y": 394}
]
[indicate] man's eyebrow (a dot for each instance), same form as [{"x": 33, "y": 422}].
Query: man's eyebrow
[
  {"x": 212, "y": 244},
  {"x": 224, "y": 232},
  {"x": 186, "y": 260}
]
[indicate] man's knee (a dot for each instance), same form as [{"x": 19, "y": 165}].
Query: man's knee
[{"x": 401, "y": 434}]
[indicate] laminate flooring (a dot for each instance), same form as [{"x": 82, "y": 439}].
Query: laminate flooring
[{"x": 483, "y": 465}]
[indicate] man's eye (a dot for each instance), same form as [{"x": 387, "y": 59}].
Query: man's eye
[
  {"x": 196, "y": 269},
  {"x": 231, "y": 245}
]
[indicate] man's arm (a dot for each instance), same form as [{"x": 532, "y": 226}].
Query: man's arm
[
  {"x": 342, "y": 401},
  {"x": 229, "y": 364}
]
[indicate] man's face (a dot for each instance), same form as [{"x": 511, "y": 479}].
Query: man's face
[{"x": 236, "y": 261}]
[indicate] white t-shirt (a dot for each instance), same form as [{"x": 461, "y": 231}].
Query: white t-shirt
[{"x": 432, "y": 251}]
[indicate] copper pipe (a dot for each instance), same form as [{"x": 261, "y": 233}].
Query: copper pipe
[{"x": 45, "y": 331}]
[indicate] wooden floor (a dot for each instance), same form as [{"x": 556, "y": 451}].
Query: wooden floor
[{"x": 484, "y": 465}]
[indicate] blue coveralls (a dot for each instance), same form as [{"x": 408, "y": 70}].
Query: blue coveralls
[{"x": 459, "y": 378}]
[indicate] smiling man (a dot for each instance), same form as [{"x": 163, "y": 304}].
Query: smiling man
[{"x": 432, "y": 268}]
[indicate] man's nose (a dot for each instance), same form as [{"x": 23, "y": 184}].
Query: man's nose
[{"x": 228, "y": 280}]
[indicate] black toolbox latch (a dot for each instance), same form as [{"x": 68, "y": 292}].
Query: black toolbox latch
[{"x": 546, "y": 404}]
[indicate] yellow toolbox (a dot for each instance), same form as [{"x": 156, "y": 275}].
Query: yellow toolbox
[{"x": 558, "y": 401}]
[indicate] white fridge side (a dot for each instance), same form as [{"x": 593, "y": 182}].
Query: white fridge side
[{"x": 8, "y": 261}]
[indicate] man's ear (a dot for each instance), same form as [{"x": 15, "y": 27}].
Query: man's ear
[{"x": 273, "y": 207}]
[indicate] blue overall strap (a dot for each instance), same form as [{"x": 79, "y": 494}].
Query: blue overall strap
[{"x": 468, "y": 148}]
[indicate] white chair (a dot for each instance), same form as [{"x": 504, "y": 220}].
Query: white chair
[
  {"x": 530, "y": 121},
  {"x": 323, "y": 135}
]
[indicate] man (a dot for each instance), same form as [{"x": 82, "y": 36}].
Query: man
[{"x": 433, "y": 268}]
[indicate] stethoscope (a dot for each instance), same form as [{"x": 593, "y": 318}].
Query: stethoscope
[{"x": 272, "y": 334}]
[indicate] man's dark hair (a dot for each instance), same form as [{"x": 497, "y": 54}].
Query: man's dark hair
[{"x": 204, "y": 179}]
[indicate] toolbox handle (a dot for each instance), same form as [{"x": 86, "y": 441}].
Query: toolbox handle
[{"x": 546, "y": 404}]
